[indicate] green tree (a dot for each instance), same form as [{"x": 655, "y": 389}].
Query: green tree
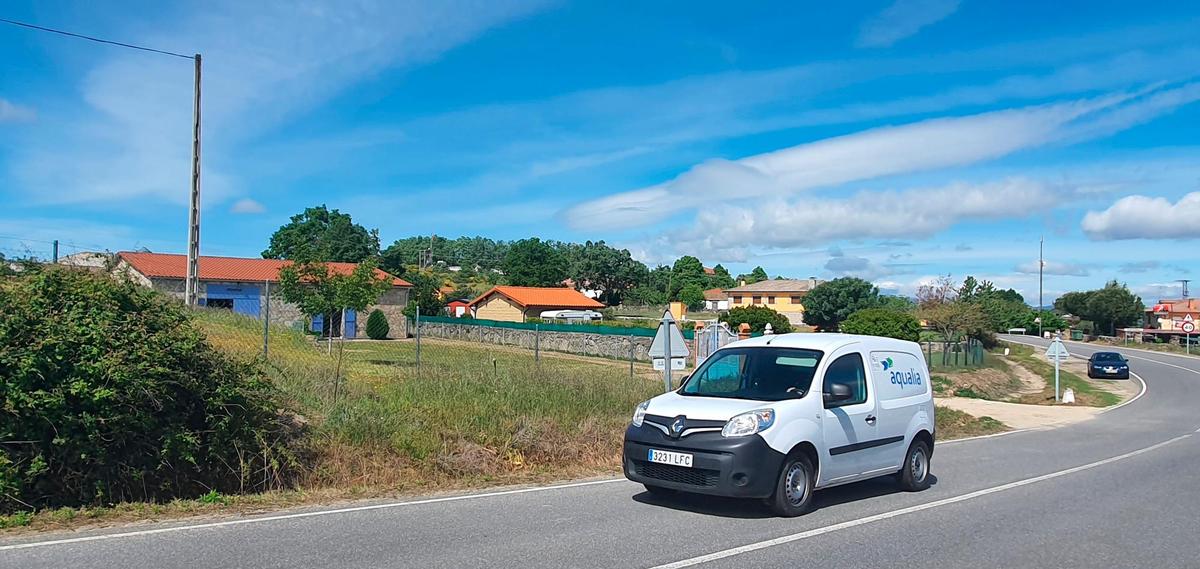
[
  {"x": 883, "y": 322},
  {"x": 424, "y": 294},
  {"x": 755, "y": 276},
  {"x": 316, "y": 289},
  {"x": 687, "y": 270},
  {"x": 320, "y": 234},
  {"x": 377, "y": 325},
  {"x": 721, "y": 278},
  {"x": 957, "y": 320},
  {"x": 896, "y": 303},
  {"x": 693, "y": 296},
  {"x": 612, "y": 271},
  {"x": 833, "y": 301},
  {"x": 533, "y": 262},
  {"x": 1114, "y": 306},
  {"x": 757, "y": 317},
  {"x": 1074, "y": 303}
]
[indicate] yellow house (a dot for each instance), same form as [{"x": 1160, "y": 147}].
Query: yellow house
[
  {"x": 783, "y": 296},
  {"x": 517, "y": 303}
]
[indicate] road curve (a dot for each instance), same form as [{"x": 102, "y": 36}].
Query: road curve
[{"x": 1115, "y": 491}]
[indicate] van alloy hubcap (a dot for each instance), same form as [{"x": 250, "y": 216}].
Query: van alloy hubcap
[
  {"x": 919, "y": 466},
  {"x": 796, "y": 484}
]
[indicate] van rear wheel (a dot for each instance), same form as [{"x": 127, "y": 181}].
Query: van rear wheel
[
  {"x": 794, "y": 490},
  {"x": 914, "y": 474}
]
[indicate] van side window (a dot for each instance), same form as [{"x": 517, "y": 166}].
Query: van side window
[{"x": 848, "y": 370}]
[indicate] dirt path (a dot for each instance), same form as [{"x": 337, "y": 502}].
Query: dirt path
[{"x": 1019, "y": 416}]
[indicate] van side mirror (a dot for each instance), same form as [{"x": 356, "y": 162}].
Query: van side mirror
[
  {"x": 683, "y": 379},
  {"x": 837, "y": 392}
]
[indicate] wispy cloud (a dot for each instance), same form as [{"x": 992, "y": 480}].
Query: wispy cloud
[
  {"x": 915, "y": 147},
  {"x": 264, "y": 63},
  {"x": 12, "y": 112},
  {"x": 1145, "y": 217},
  {"x": 1054, "y": 268},
  {"x": 902, "y": 19},
  {"x": 247, "y": 206}
]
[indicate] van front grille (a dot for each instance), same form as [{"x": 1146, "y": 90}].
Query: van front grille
[{"x": 677, "y": 474}]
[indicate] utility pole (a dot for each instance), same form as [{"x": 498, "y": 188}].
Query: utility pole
[
  {"x": 191, "y": 287},
  {"x": 1183, "y": 283},
  {"x": 56, "y": 262},
  {"x": 1041, "y": 267}
]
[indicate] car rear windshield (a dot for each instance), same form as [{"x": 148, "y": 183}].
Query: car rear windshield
[
  {"x": 1108, "y": 357},
  {"x": 763, "y": 374}
]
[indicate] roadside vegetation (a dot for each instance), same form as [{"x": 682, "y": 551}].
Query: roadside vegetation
[
  {"x": 955, "y": 424},
  {"x": 1086, "y": 392}
]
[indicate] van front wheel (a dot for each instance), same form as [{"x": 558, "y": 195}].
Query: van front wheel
[
  {"x": 914, "y": 474},
  {"x": 794, "y": 491}
]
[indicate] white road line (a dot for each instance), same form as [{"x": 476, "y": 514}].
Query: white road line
[
  {"x": 304, "y": 515},
  {"x": 909, "y": 510},
  {"x": 991, "y": 436},
  {"x": 1145, "y": 388}
]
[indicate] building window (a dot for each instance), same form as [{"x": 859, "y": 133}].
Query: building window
[
  {"x": 770, "y": 300},
  {"x": 757, "y": 300},
  {"x": 796, "y": 299},
  {"x": 736, "y": 300},
  {"x": 223, "y": 303}
]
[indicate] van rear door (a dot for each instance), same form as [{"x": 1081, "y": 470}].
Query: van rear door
[{"x": 902, "y": 389}]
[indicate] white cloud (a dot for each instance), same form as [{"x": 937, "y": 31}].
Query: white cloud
[
  {"x": 1145, "y": 217},
  {"x": 909, "y": 214},
  {"x": 12, "y": 112},
  {"x": 903, "y": 19},
  {"x": 247, "y": 205},
  {"x": 263, "y": 63},
  {"x": 920, "y": 146},
  {"x": 1054, "y": 268},
  {"x": 860, "y": 267}
]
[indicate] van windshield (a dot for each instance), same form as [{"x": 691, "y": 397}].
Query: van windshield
[{"x": 763, "y": 374}]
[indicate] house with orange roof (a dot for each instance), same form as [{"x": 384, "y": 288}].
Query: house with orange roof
[
  {"x": 518, "y": 303},
  {"x": 246, "y": 285}
]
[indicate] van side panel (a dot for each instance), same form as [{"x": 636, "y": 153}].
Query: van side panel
[{"x": 905, "y": 399}]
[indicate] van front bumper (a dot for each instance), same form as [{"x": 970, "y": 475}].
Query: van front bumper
[{"x": 741, "y": 467}]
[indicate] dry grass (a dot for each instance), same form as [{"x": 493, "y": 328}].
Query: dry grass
[{"x": 955, "y": 424}]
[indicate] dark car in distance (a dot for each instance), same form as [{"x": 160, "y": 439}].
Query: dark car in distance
[{"x": 1108, "y": 365}]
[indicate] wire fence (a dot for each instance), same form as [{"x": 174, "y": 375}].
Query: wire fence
[{"x": 960, "y": 354}]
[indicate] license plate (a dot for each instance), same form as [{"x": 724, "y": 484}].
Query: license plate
[
  {"x": 1110, "y": 370},
  {"x": 672, "y": 458}
]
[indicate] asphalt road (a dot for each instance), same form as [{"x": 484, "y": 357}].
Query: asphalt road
[{"x": 1115, "y": 491}]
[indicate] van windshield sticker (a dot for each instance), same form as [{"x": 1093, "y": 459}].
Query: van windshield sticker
[{"x": 798, "y": 362}]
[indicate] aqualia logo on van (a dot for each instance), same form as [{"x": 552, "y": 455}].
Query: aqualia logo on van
[
  {"x": 902, "y": 378},
  {"x": 888, "y": 364}
]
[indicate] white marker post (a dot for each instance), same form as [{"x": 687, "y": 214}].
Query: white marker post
[
  {"x": 1057, "y": 352},
  {"x": 1189, "y": 326}
]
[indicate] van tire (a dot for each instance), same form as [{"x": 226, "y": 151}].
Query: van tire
[
  {"x": 914, "y": 473},
  {"x": 799, "y": 475}
]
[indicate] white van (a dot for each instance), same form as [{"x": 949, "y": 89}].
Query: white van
[{"x": 779, "y": 416}]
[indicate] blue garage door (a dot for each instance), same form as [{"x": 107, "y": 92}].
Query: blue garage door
[{"x": 245, "y": 298}]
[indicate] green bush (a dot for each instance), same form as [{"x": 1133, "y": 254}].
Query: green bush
[
  {"x": 377, "y": 325},
  {"x": 883, "y": 322},
  {"x": 109, "y": 393},
  {"x": 757, "y": 317}
]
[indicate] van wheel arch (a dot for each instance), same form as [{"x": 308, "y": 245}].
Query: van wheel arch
[
  {"x": 925, "y": 437},
  {"x": 810, "y": 450}
]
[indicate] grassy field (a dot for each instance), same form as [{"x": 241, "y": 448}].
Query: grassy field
[
  {"x": 955, "y": 424},
  {"x": 471, "y": 413},
  {"x": 1086, "y": 392}
]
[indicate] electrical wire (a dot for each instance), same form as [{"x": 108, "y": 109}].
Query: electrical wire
[{"x": 95, "y": 39}]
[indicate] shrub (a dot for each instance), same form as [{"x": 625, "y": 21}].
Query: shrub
[
  {"x": 757, "y": 317},
  {"x": 115, "y": 395},
  {"x": 377, "y": 325},
  {"x": 883, "y": 322}
]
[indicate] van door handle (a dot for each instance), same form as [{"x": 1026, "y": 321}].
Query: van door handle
[{"x": 870, "y": 419}]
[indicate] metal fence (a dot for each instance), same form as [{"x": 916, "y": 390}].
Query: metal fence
[
  {"x": 964, "y": 353},
  {"x": 554, "y": 327}
]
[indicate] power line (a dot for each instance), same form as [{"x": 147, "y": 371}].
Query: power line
[{"x": 95, "y": 39}]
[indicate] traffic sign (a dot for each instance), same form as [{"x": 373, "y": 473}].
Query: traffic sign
[
  {"x": 1057, "y": 350},
  {"x": 1188, "y": 327},
  {"x": 676, "y": 363},
  {"x": 679, "y": 347}
]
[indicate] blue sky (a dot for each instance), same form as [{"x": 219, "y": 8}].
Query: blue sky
[{"x": 894, "y": 140}]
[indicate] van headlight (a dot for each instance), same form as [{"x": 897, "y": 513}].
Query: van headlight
[
  {"x": 749, "y": 423},
  {"x": 640, "y": 413}
]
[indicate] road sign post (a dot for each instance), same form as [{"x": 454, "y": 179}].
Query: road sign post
[
  {"x": 669, "y": 349},
  {"x": 1057, "y": 352},
  {"x": 1189, "y": 326}
]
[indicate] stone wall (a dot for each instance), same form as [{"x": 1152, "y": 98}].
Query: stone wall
[{"x": 602, "y": 345}]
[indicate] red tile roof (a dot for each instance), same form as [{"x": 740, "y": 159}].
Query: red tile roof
[
  {"x": 530, "y": 296},
  {"x": 715, "y": 294},
  {"x": 233, "y": 269}
]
